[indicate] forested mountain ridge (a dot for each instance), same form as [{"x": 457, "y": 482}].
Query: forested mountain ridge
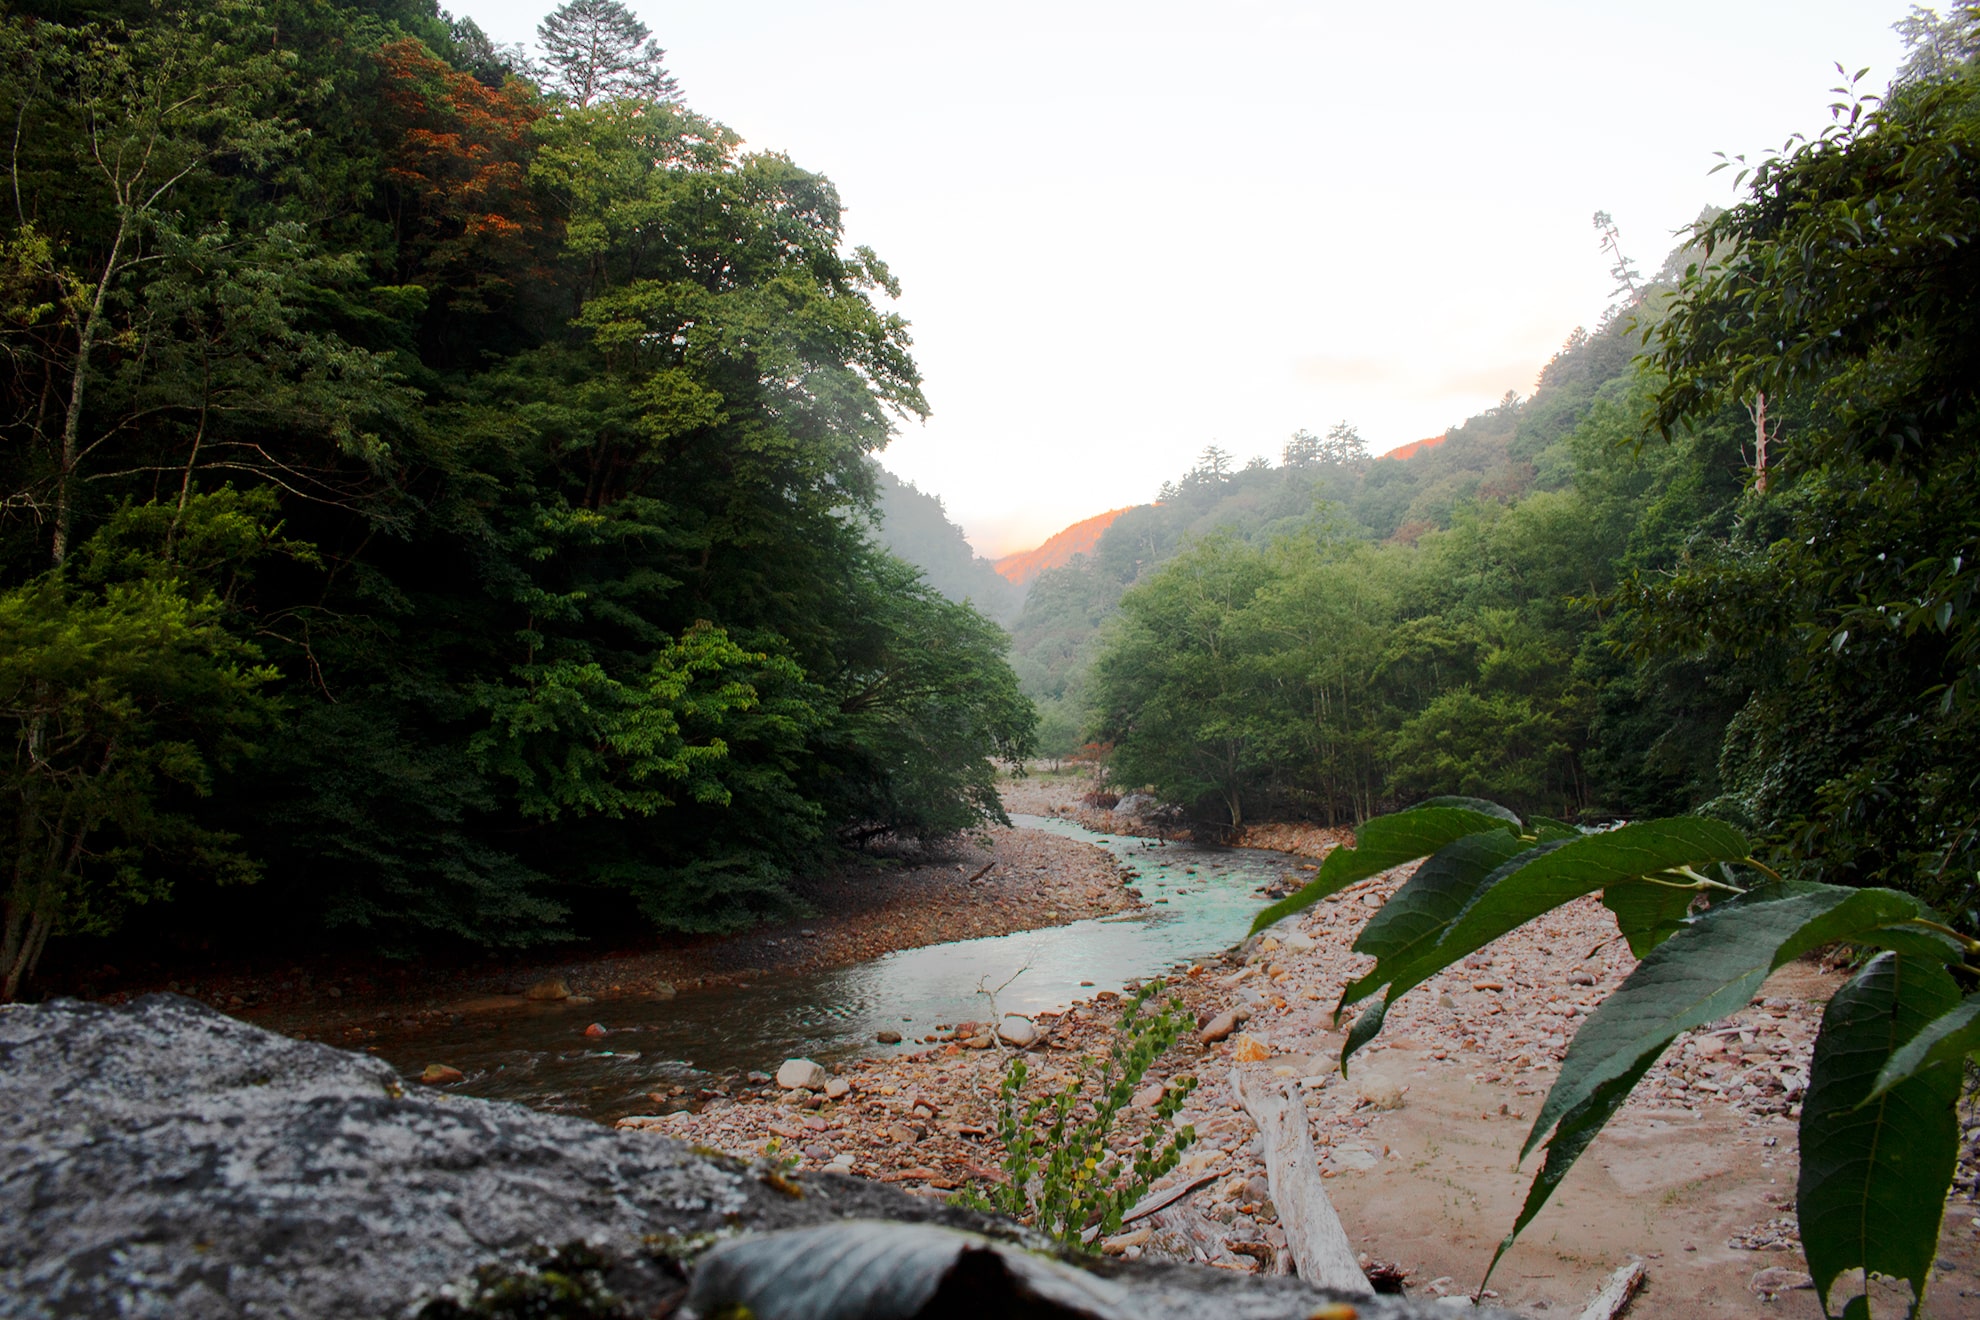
[
  {"x": 1720, "y": 562},
  {"x": 440, "y": 494},
  {"x": 1328, "y": 482},
  {"x": 915, "y": 527},
  {"x": 1057, "y": 550}
]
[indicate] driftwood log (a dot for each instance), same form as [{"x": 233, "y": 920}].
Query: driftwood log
[
  {"x": 1614, "y": 1298},
  {"x": 1314, "y": 1237}
]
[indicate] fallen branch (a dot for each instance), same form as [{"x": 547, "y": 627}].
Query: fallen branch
[
  {"x": 1315, "y": 1239},
  {"x": 1615, "y": 1296},
  {"x": 1161, "y": 1200}
]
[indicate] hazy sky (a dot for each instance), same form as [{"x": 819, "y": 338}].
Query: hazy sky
[{"x": 1129, "y": 230}]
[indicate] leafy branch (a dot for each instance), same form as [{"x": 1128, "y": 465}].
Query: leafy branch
[
  {"x": 1878, "y": 1129},
  {"x": 1065, "y": 1174}
]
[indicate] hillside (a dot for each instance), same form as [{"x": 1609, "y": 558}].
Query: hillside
[
  {"x": 1414, "y": 447},
  {"x": 1416, "y": 489},
  {"x": 1079, "y": 539},
  {"x": 915, "y": 526}
]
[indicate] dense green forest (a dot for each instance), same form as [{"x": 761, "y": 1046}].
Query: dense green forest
[
  {"x": 437, "y": 495},
  {"x": 1721, "y": 560}
]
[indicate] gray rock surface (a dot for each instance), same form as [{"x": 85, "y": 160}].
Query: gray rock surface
[{"x": 165, "y": 1160}]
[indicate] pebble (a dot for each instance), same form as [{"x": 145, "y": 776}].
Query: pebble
[
  {"x": 801, "y": 1075},
  {"x": 439, "y": 1074},
  {"x": 1379, "y": 1092},
  {"x": 548, "y": 990},
  {"x": 1222, "y": 1025},
  {"x": 1774, "y": 1280},
  {"x": 888, "y": 1037}
]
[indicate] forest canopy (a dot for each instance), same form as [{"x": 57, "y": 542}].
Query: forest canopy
[
  {"x": 440, "y": 493},
  {"x": 1721, "y": 561}
]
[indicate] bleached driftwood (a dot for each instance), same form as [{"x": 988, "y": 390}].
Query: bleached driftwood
[
  {"x": 1161, "y": 1200},
  {"x": 1314, "y": 1237},
  {"x": 1613, "y": 1300}
]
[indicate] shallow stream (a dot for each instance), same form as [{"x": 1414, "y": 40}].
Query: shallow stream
[{"x": 1199, "y": 902}]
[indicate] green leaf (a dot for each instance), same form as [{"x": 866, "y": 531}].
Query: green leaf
[
  {"x": 1416, "y": 916},
  {"x": 1946, "y": 1039},
  {"x": 1471, "y": 804},
  {"x": 1711, "y": 967},
  {"x": 1381, "y": 843},
  {"x": 1547, "y": 829},
  {"x": 1647, "y": 914},
  {"x": 1874, "y": 1176},
  {"x": 1534, "y": 881},
  {"x": 866, "y": 1270},
  {"x": 1365, "y": 1028},
  {"x": 1577, "y": 1129},
  {"x": 1583, "y": 865}
]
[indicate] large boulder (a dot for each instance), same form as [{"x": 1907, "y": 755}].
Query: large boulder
[{"x": 165, "y": 1160}]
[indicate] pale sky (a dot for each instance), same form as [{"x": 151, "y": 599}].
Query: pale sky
[{"x": 1129, "y": 230}]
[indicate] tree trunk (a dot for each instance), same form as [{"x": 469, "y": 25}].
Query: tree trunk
[
  {"x": 1760, "y": 438},
  {"x": 79, "y": 388},
  {"x": 24, "y": 943}
]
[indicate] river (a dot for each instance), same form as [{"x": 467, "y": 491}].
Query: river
[{"x": 1199, "y": 901}]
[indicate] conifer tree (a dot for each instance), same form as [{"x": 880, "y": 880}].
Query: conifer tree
[{"x": 598, "y": 50}]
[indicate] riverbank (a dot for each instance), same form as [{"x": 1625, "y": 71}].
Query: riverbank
[
  {"x": 996, "y": 881},
  {"x": 1418, "y": 1145},
  {"x": 1074, "y": 794}
]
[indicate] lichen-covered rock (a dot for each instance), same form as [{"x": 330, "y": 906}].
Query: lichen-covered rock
[{"x": 165, "y": 1160}]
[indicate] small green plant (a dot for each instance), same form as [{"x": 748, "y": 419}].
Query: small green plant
[
  {"x": 1879, "y": 1132},
  {"x": 1066, "y": 1175}
]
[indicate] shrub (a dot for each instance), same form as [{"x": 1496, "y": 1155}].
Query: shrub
[{"x": 1067, "y": 1174}]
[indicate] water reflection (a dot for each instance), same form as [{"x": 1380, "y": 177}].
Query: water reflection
[{"x": 1200, "y": 901}]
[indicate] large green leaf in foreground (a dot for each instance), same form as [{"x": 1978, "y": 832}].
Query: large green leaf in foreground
[
  {"x": 1944, "y": 1040},
  {"x": 1583, "y": 866},
  {"x": 1647, "y": 913},
  {"x": 1873, "y": 1175},
  {"x": 1710, "y": 968},
  {"x": 1416, "y": 916},
  {"x": 1460, "y": 907},
  {"x": 1382, "y": 843},
  {"x": 1406, "y": 935}
]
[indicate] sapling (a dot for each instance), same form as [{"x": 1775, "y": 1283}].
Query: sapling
[{"x": 1066, "y": 1172}]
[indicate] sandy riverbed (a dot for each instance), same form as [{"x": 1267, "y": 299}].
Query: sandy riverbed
[{"x": 1695, "y": 1175}]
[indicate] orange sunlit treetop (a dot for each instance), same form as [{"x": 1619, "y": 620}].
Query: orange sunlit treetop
[
  {"x": 1078, "y": 539},
  {"x": 1414, "y": 447}
]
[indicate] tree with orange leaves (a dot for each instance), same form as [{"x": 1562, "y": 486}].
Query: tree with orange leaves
[{"x": 464, "y": 213}]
